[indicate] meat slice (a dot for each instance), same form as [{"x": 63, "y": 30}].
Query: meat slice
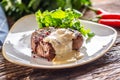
[
  {"x": 45, "y": 49},
  {"x": 41, "y": 48},
  {"x": 77, "y": 42}
]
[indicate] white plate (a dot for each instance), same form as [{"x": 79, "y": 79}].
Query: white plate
[{"x": 16, "y": 47}]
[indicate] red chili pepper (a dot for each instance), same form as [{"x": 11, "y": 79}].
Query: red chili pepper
[
  {"x": 110, "y": 22},
  {"x": 110, "y": 16},
  {"x": 98, "y": 10}
]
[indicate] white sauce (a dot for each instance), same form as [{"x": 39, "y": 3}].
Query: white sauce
[{"x": 61, "y": 41}]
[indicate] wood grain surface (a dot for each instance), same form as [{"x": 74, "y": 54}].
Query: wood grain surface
[{"x": 105, "y": 68}]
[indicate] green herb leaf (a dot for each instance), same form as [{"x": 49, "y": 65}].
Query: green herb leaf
[
  {"x": 58, "y": 14},
  {"x": 62, "y": 19}
]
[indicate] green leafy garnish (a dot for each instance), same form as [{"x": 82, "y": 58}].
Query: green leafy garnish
[{"x": 69, "y": 18}]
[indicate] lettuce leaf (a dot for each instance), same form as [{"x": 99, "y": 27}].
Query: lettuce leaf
[{"x": 69, "y": 18}]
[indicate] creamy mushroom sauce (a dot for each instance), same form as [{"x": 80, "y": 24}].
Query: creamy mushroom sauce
[{"x": 61, "y": 40}]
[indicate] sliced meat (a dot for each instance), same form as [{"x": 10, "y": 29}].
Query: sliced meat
[
  {"x": 77, "y": 42},
  {"x": 45, "y": 49},
  {"x": 42, "y": 49}
]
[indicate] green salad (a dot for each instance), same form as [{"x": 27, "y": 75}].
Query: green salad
[{"x": 68, "y": 18}]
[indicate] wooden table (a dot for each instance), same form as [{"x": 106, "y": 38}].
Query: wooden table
[{"x": 105, "y": 68}]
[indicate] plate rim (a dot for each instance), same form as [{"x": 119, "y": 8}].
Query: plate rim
[{"x": 63, "y": 66}]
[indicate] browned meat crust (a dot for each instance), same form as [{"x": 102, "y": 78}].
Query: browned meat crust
[{"x": 45, "y": 49}]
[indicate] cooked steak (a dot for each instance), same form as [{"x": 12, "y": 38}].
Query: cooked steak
[{"x": 45, "y": 47}]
